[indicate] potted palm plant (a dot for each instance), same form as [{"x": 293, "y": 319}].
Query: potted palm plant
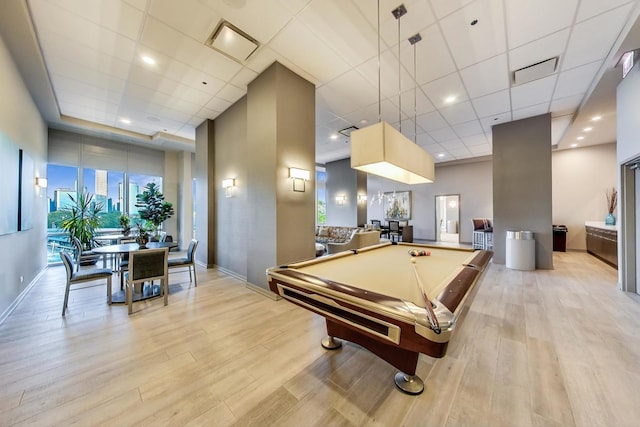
[
  {"x": 81, "y": 219},
  {"x": 153, "y": 208}
]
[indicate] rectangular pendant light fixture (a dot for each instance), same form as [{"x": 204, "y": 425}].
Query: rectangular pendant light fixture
[{"x": 381, "y": 150}]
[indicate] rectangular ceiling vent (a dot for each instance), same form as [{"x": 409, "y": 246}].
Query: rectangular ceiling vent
[
  {"x": 347, "y": 131},
  {"x": 535, "y": 71},
  {"x": 232, "y": 42}
]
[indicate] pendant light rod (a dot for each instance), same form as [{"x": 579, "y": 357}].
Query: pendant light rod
[
  {"x": 413, "y": 40},
  {"x": 379, "y": 81},
  {"x": 398, "y": 13}
]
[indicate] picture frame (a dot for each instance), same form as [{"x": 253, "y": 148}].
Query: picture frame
[{"x": 397, "y": 205}]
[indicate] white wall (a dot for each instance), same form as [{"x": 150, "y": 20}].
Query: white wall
[
  {"x": 580, "y": 178},
  {"x": 23, "y": 254}
]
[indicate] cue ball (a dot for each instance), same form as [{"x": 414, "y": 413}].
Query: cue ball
[{"x": 413, "y": 260}]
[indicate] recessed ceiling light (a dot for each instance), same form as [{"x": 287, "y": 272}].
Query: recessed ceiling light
[
  {"x": 364, "y": 121},
  {"x": 334, "y": 136},
  {"x": 148, "y": 60},
  {"x": 587, "y": 129},
  {"x": 449, "y": 99},
  {"x": 125, "y": 121},
  {"x": 441, "y": 155},
  {"x": 574, "y": 145},
  {"x": 595, "y": 118},
  {"x": 580, "y": 138}
]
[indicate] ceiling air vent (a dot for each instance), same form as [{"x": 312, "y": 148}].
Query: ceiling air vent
[
  {"x": 232, "y": 42},
  {"x": 535, "y": 71},
  {"x": 347, "y": 131}
]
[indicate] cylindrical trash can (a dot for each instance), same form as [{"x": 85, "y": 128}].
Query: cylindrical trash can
[
  {"x": 521, "y": 250},
  {"x": 560, "y": 238}
]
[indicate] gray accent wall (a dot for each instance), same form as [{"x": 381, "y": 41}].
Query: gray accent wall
[
  {"x": 522, "y": 189},
  {"x": 343, "y": 181},
  {"x": 205, "y": 200},
  {"x": 24, "y": 253},
  {"x": 280, "y": 135}
]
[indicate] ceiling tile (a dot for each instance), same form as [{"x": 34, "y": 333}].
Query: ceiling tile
[
  {"x": 530, "y": 20},
  {"x": 493, "y": 104},
  {"x": 422, "y": 103},
  {"x": 531, "y": 111},
  {"x": 431, "y": 121},
  {"x": 445, "y": 7},
  {"x": 532, "y": 93},
  {"x": 567, "y": 105},
  {"x": 576, "y": 81},
  {"x": 481, "y": 150},
  {"x": 231, "y": 93},
  {"x": 388, "y": 74},
  {"x": 113, "y": 15},
  {"x": 63, "y": 84},
  {"x": 469, "y": 128},
  {"x": 539, "y": 50},
  {"x": 472, "y": 140},
  {"x": 486, "y": 77},
  {"x": 424, "y": 140},
  {"x": 459, "y": 113},
  {"x": 341, "y": 26},
  {"x": 583, "y": 49},
  {"x": 590, "y": 8},
  {"x": 454, "y": 144},
  {"x": 433, "y": 59},
  {"x": 295, "y": 42},
  {"x": 489, "y": 122},
  {"x": 439, "y": 90},
  {"x": 471, "y": 44},
  {"x": 443, "y": 135},
  {"x": 190, "y": 17}
]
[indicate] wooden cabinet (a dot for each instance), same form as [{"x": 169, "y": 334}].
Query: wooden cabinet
[{"x": 603, "y": 244}]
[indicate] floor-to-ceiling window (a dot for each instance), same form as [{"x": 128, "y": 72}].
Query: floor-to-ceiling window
[
  {"x": 107, "y": 189},
  {"x": 62, "y": 183}
]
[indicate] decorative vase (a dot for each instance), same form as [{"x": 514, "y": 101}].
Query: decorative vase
[
  {"x": 610, "y": 220},
  {"x": 142, "y": 241}
]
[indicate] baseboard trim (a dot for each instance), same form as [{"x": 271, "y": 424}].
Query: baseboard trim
[
  {"x": 262, "y": 291},
  {"x": 21, "y": 296}
]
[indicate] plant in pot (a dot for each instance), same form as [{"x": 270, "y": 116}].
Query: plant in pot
[
  {"x": 153, "y": 208},
  {"x": 125, "y": 224},
  {"x": 81, "y": 219},
  {"x": 142, "y": 237}
]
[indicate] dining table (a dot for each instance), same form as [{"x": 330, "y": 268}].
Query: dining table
[{"x": 116, "y": 251}]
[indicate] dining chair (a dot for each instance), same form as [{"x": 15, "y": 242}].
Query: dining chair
[
  {"x": 189, "y": 261},
  {"x": 82, "y": 256},
  {"x": 123, "y": 263},
  {"x": 146, "y": 266},
  {"x": 394, "y": 230},
  {"x": 75, "y": 276}
]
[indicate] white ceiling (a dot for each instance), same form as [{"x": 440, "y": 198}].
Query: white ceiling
[{"x": 92, "y": 52}]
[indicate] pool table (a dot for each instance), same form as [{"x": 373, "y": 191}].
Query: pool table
[{"x": 377, "y": 297}]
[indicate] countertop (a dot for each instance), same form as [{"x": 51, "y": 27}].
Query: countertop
[{"x": 600, "y": 224}]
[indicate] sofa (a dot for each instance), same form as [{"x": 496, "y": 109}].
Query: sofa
[
  {"x": 359, "y": 239},
  {"x": 333, "y": 234}
]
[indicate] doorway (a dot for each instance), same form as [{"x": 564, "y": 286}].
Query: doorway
[
  {"x": 448, "y": 218},
  {"x": 629, "y": 234}
]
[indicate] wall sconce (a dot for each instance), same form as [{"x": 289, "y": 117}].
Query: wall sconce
[
  {"x": 41, "y": 182},
  {"x": 341, "y": 199},
  {"x": 362, "y": 198},
  {"x": 299, "y": 177},
  {"x": 228, "y": 185}
]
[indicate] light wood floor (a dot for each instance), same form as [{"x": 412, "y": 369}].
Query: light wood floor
[{"x": 544, "y": 348}]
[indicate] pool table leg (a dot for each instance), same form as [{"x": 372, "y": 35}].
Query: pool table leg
[
  {"x": 330, "y": 343},
  {"x": 410, "y": 384}
]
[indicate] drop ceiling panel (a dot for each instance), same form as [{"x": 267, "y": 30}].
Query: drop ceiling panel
[
  {"x": 533, "y": 110},
  {"x": 388, "y": 73},
  {"x": 422, "y": 103},
  {"x": 424, "y": 140},
  {"x": 443, "y": 135},
  {"x": 231, "y": 93},
  {"x": 481, "y": 150},
  {"x": 113, "y": 15},
  {"x": 583, "y": 49},
  {"x": 493, "y": 104},
  {"x": 532, "y": 93},
  {"x": 468, "y": 129},
  {"x": 439, "y": 90},
  {"x": 489, "y": 122},
  {"x": 430, "y": 47},
  {"x": 432, "y": 121},
  {"x": 531, "y": 20},
  {"x": 471, "y": 44},
  {"x": 190, "y": 17},
  {"x": 69, "y": 86},
  {"x": 576, "y": 81},
  {"x": 445, "y": 7},
  {"x": 90, "y": 74},
  {"x": 569, "y": 105},
  {"x": 454, "y": 144},
  {"x": 295, "y": 42},
  {"x": 338, "y": 22},
  {"x": 486, "y": 77},
  {"x": 472, "y": 140},
  {"x": 459, "y": 113},
  {"x": 352, "y": 85},
  {"x": 153, "y": 81},
  {"x": 590, "y": 8},
  {"x": 539, "y": 50}
]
